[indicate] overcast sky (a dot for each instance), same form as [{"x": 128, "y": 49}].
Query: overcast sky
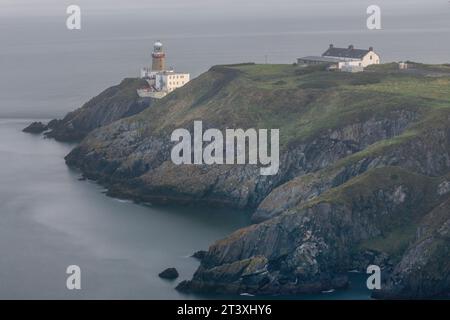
[
  {"x": 204, "y": 9},
  {"x": 117, "y": 35}
]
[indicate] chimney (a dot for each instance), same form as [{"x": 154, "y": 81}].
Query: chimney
[
  {"x": 351, "y": 47},
  {"x": 370, "y": 48},
  {"x": 331, "y": 46}
]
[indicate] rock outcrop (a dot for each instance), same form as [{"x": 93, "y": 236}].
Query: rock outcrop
[
  {"x": 35, "y": 127},
  {"x": 310, "y": 248},
  {"x": 111, "y": 105},
  {"x": 200, "y": 255},
  {"x": 169, "y": 273},
  {"x": 424, "y": 269}
]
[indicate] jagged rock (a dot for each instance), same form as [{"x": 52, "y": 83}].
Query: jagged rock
[
  {"x": 35, "y": 127},
  {"x": 200, "y": 255},
  {"x": 114, "y": 103},
  {"x": 424, "y": 270},
  {"x": 169, "y": 273},
  {"x": 310, "y": 248}
]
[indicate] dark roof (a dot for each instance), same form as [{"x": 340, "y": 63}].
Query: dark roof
[
  {"x": 319, "y": 59},
  {"x": 349, "y": 52}
]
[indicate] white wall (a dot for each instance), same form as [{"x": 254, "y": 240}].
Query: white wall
[
  {"x": 176, "y": 80},
  {"x": 371, "y": 58},
  {"x": 169, "y": 82}
]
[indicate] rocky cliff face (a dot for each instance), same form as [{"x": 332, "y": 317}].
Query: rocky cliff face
[
  {"x": 424, "y": 269},
  {"x": 432, "y": 158},
  {"x": 364, "y": 164},
  {"x": 310, "y": 248},
  {"x": 111, "y": 105}
]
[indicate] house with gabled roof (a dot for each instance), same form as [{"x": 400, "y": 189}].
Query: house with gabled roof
[
  {"x": 366, "y": 57},
  {"x": 345, "y": 59}
]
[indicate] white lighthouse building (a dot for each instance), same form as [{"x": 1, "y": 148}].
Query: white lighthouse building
[{"x": 160, "y": 80}]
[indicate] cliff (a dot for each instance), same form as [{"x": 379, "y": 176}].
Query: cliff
[
  {"x": 382, "y": 217},
  {"x": 114, "y": 103},
  {"x": 364, "y": 171}
]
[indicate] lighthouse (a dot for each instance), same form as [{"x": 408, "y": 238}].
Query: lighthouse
[
  {"x": 158, "y": 57},
  {"x": 160, "y": 81}
]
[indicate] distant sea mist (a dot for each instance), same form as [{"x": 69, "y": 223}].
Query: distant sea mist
[{"x": 48, "y": 70}]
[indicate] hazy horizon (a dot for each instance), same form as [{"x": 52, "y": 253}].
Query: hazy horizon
[{"x": 48, "y": 70}]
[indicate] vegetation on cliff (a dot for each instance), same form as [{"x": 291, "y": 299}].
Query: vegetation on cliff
[
  {"x": 114, "y": 103},
  {"x": 364, "y": 170}
]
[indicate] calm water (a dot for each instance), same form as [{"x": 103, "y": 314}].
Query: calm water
[{"x": 49, "y": 220}]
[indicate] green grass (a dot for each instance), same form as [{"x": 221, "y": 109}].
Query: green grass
[
  {"x": 302, "y": 102},
  {"x": 399, "y": 227},
  {"x": 365, "y": 184},
  {"x": 426, "y": 88},
  {"x": 393, "y": 243}
]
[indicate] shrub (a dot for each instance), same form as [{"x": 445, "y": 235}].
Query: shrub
[
  {"x": 311, "y": 69},
  {"x": 318, "y": 84}
]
